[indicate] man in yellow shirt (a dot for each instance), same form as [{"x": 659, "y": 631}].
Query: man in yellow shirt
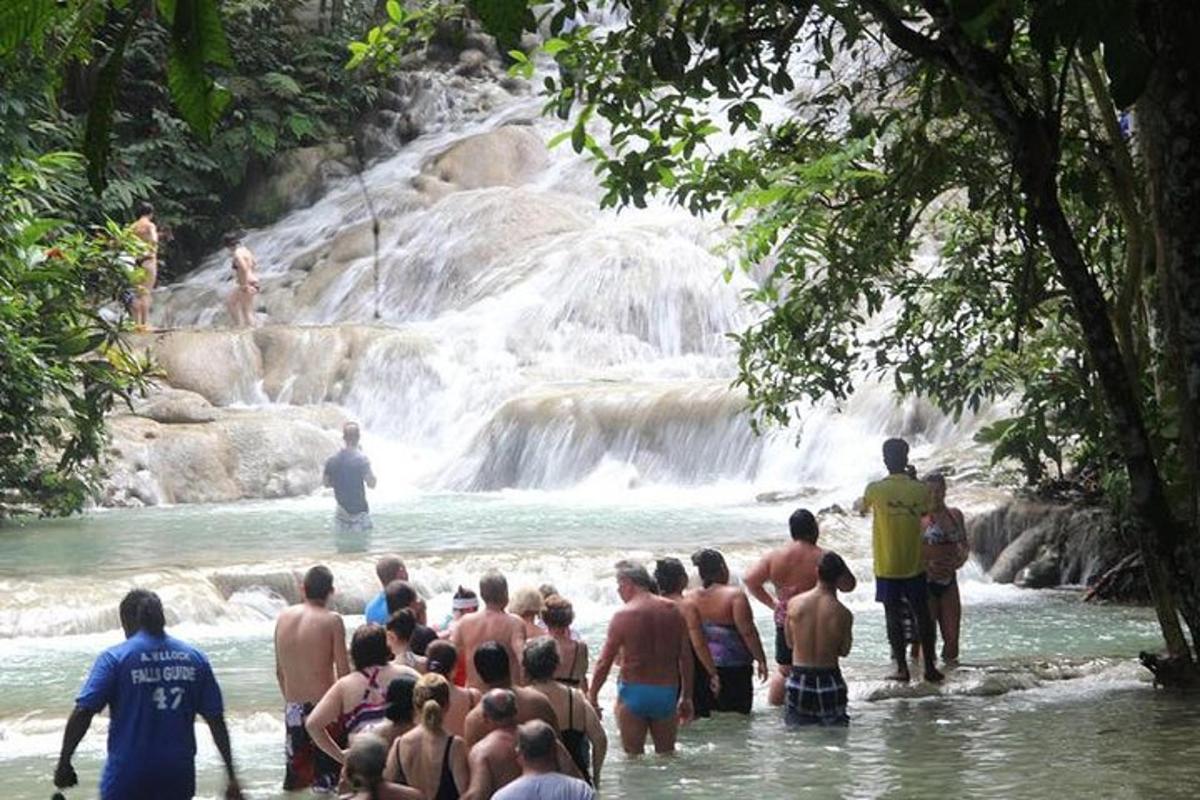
[{"x": 898, "y": 502}]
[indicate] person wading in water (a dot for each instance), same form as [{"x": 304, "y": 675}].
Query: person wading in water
[{"x": 349, "y": 474}]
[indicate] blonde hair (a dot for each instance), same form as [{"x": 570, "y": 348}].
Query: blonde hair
[
  {"x": 431, "y": 698},
  {"x": 526, "y": 600}
]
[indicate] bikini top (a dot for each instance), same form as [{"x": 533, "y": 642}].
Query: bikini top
[{"x": 366, "y": 711}]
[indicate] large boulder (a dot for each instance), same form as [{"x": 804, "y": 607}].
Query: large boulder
[
  {"x": 507, "y": 156},
  {"x": 294, "y": 179}
]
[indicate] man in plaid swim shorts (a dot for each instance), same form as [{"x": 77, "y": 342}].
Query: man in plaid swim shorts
[{"x": 818, "y": 631}]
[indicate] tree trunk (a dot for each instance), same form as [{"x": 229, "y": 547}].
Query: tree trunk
[{"x": 1169, "y": 116}]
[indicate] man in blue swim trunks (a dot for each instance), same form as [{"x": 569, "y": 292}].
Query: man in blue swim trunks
[
  {"x": 654, "y": 692},
  {"x": 154, "y": 686}
]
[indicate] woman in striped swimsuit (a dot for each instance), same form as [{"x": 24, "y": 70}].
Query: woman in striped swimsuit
[{"x": 359, "y": 699}]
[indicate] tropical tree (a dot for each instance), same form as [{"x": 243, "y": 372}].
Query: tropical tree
[{"x": 1047, "y": 145}]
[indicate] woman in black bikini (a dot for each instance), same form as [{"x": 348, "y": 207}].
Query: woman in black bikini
[
  {"x": 558, "y": 614},
  {"x": 582, "y": 733},
  {"x": 431, "y": 759}
]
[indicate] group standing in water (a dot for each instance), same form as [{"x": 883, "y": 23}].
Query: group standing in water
[{"x": 499, "y": 702}]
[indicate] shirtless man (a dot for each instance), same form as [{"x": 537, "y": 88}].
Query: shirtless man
[
  {"x": 490, "y": 624},
  {"x": 818, "y": 631},
  {"x": 491, "y": 665},
  {"x": 241, "y": 299},
  {"x": 654, "y": 692},
  {"x": 145, "y": 229},
  {"x": 492, "y": 761},
  {"x": 791, "y": 569},
  {"x": 310, "y": 654}
]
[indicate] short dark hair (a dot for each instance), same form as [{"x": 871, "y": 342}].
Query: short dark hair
[
  {"x": 231, "y": 238},
  {"x": 441, "y": 656},
  {"x": 491, "y": 662},
  {"x": 540, "y": 658},
  {"x": 369, "y": 647},
  {"x": 318, "y": 583},
  {"x": 895, "y": 454},
  {"x": 142, "y": 610},
  {"x": 535, "y": 740},
  {"x": 388, "y": 569},
  {"x": 493, "y": 587},
  {"x": 400, "y": 698},
  {"x": 831, "y": 568},
  {"x": 803, "y": 526},
  {"x": 145, "y": 209},
  {"x": 351, "y": 433},
  {"x": 402, "y": 624},
  {"x": 399, "y": 595},
  {"x": 500, "y": 705},
  {"x": 637, "y": 575},
  {"x": 670, "y": 575},
  {"x": 558, "y": 613},
  {"x": 711, "y": 566}
]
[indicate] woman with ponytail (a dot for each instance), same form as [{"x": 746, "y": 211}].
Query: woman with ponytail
[
  {"x": 364, "y": 772},
  {"x": 431, "y": 759}
]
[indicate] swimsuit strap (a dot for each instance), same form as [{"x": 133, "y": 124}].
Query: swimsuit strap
[
  {"x": 447, "y": 789},
  {"x": 570, "y": 709},
  {"x": 372, "y": 680}
]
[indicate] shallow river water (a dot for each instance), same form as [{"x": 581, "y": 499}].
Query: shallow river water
[{"x": 1049, "y": 699}]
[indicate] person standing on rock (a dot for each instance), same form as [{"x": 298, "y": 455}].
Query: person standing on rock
[
  {"x": 945, "y": 550},
  {"x": 349, "y": 473},
  {"x": 791, "y": 570},
  {"x": 241, "y": 299},
  {"x": 310, "y": 655},
  {"x": 898, "y": 503},
  {"x": 147, "y": 264},
  {"x": 154, "y": 686}
]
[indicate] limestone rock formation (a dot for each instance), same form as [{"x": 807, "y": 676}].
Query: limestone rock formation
[{"x": 507, "y": 156}]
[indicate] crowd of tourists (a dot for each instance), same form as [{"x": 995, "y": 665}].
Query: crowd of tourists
[{"x": 501, "y": 699}]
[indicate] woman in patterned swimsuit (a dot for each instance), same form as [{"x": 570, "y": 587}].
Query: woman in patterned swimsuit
[{"x": 945, "y": 549}]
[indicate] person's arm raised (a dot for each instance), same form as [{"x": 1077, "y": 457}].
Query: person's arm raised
[
  {"x": 324, "y": 715},
  {"x": 755, "y": 579},
  {"x": 743, "y": 619}
]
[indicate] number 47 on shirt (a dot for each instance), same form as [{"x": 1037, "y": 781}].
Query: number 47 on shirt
[{"x": 168, "y": 698}]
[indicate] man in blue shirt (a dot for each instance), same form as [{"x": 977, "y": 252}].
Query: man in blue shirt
[
  {"x": 349, "y": 474},
  {"x": 154, "y": 686},
  {"x": 387, "y": 569}
]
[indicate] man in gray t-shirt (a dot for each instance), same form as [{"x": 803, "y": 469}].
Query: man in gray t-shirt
[
  {"x": 349, "y": 473},
  {"x": 539, "y": 779}
]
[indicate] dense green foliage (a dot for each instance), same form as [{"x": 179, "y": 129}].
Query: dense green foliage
[{"x": 62, "y": 363}]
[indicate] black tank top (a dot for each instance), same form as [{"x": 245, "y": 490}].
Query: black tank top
[{"x": 447, "y": 790}]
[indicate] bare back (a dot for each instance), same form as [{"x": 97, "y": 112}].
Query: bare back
[
  {"x": 716, "y": 603},
  {"x": 492, "y": 763},
  {"x": 461, "y": 702},
  {"x": 819, "y": 627},
  {"x": 422, "y": 754},
  {"x": 648, "y": 631},
  {"x": 489, "y": 625},
  {"x": 531, "y": 704},
  {"x": 310, "y": 652},
  {"x": 792, "y": 569}
]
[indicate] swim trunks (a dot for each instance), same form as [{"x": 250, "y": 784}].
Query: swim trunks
[
  {"x": 308, "y": 766},
  {"x": 816, "y": 696},
  {"x": 783, "y": 653},
  {"x": 648, "y": 701},
  {"x": 345, "y": 522},
  {"x": 736, "y": 695},
  {"x": 894, "y": 590}
]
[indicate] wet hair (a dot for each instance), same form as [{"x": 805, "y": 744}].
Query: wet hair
[
  {"x": 711, "y": 566},
  {"x": 399, "y": 595},
  {"x": 432, "y": 698},
  {"x": 318, "y": 583},
  {"x": 440, "y": 657},
  {"x": 535, "y": 740},
  {"x": 637, "y": 575},
  {"x": 365, "y": 762},
  {"x": 936, "y": 478},
  {"x": 351, "y": 433},
  {"x": 232, "y": 238},
  {"x": 525, "y": 600},
  {"x": 369, "y": 647},
  {"x": 547, "y": 589},
  {"x": 670, "y": 575},
  {"x": 803, "y": 526},
  {"x": 500, "y": 705},
  {"x": 558, "y": 612},
  {"x": 540, "y": 658},
  {"x": 402, "y": 624},
  {"x": 142, "y": 610},
  {"x": 491, "y": 662},
  {"x": 895, "y": 455},
  {"x": 830, "y": 568},
  {"x": 388, "y": 569},
  {"x": 145, "y": 209},
  {"x": 400, "y": 699},
  {"x": 493, "y": 587}
]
